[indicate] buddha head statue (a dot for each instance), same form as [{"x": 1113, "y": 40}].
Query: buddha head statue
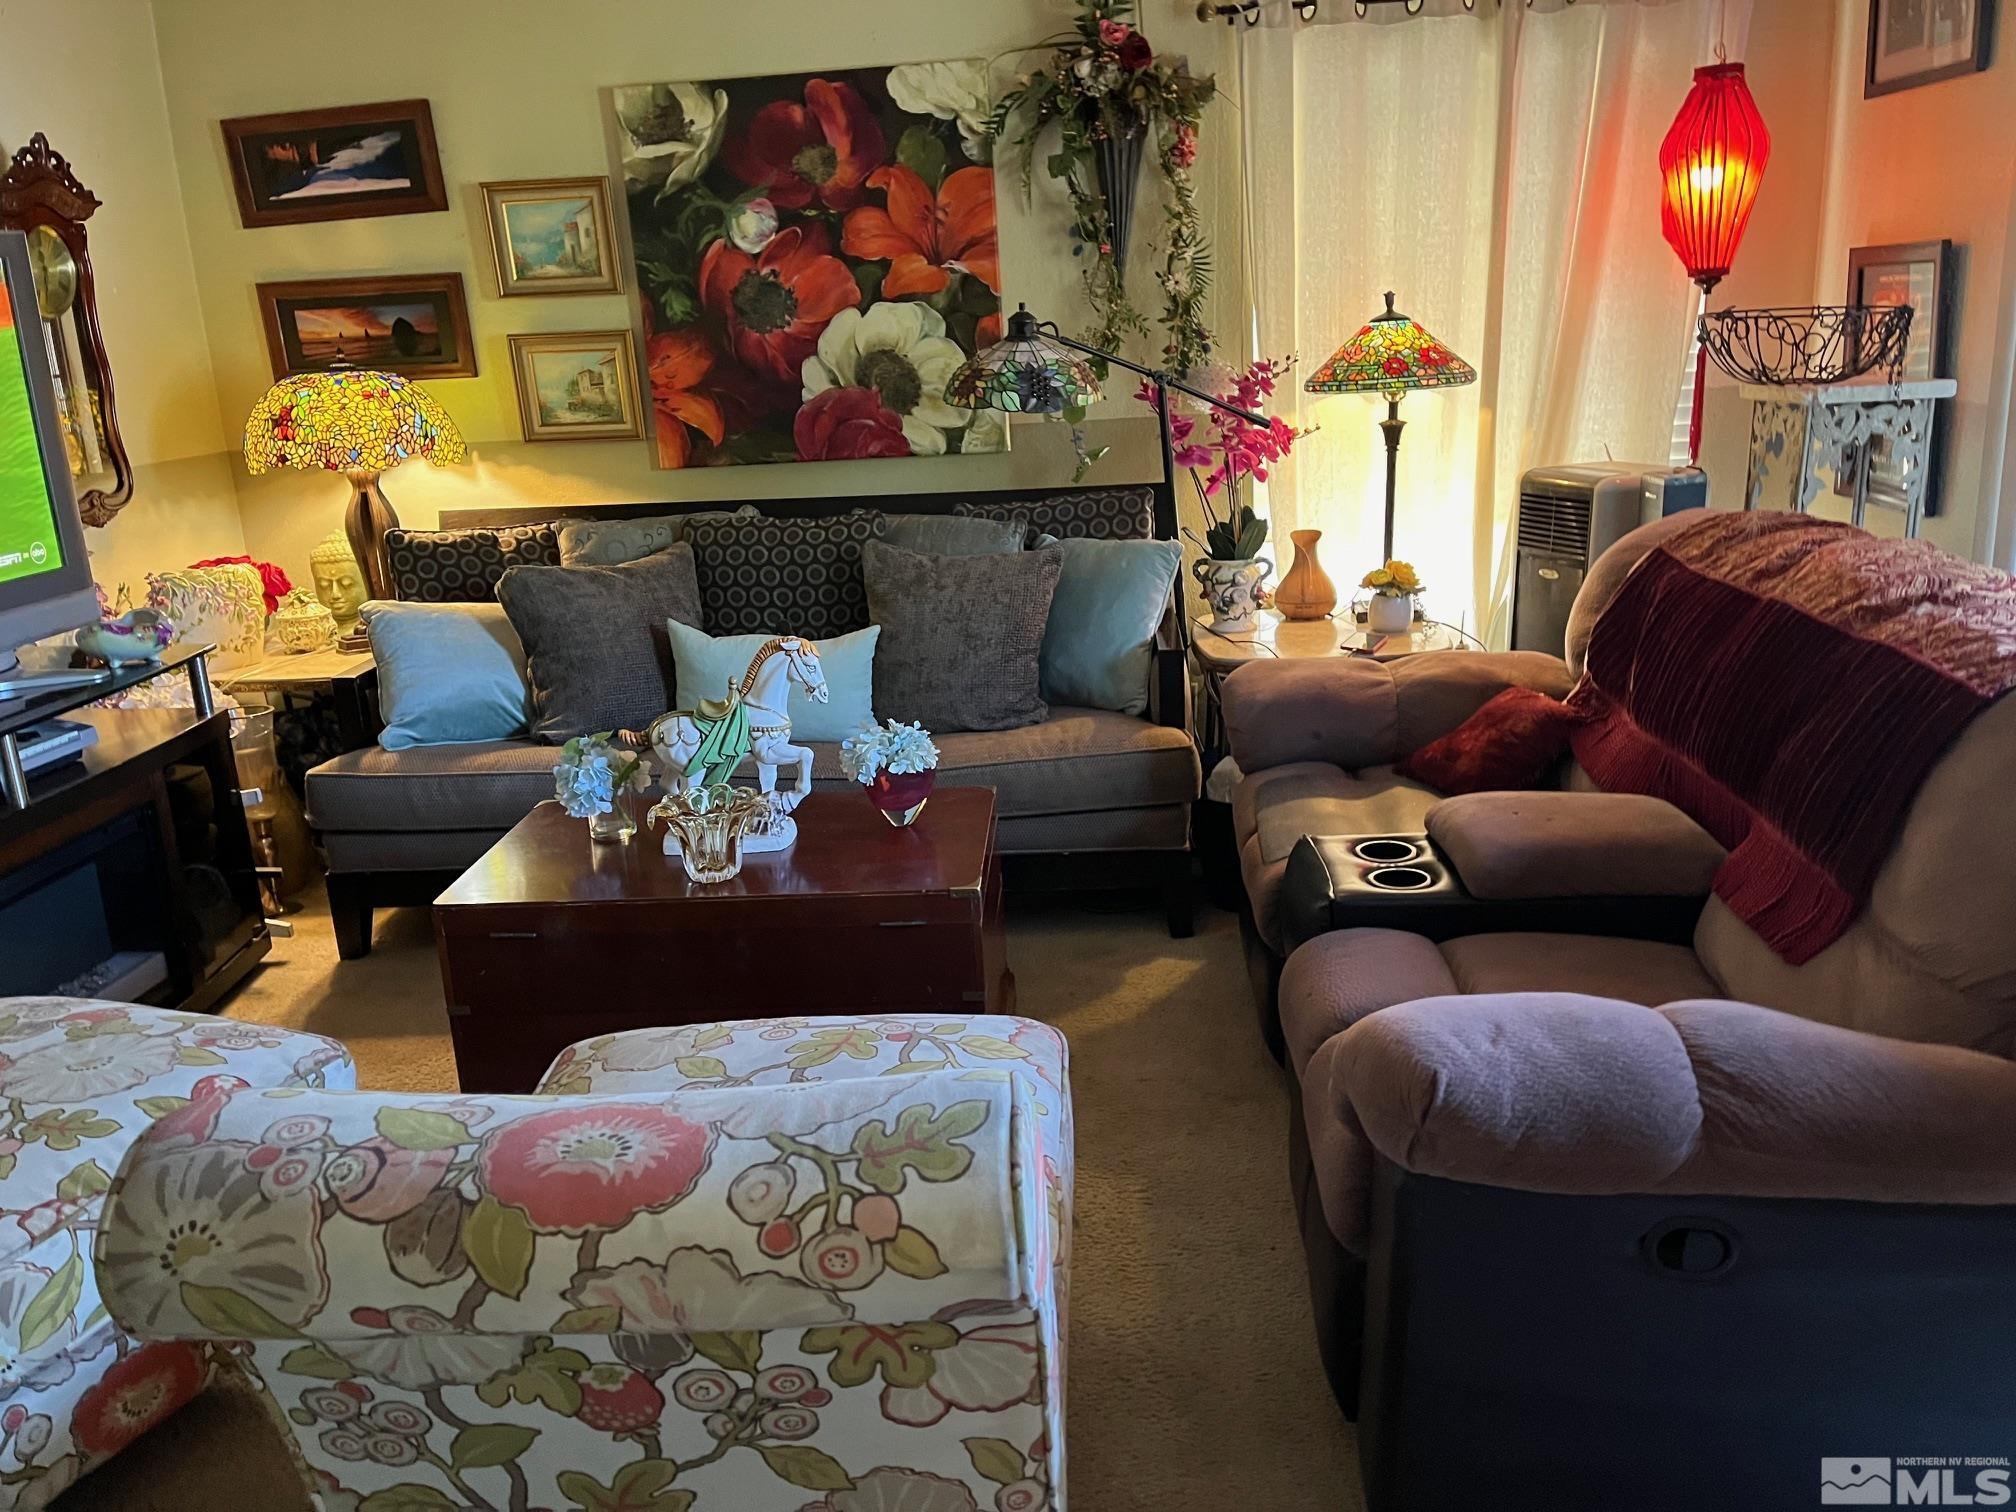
[{"x": 339, "y": 581}]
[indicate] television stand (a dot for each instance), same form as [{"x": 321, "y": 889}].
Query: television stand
[
  {"x": 15, "y": 683},
  {"x": 48, "y": 691},
  {"x": 128, "y": 872}
]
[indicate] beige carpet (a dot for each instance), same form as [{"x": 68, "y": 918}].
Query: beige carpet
[{"x": 1194, "y": 1378}]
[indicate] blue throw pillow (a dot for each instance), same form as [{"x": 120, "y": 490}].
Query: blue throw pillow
[
  {"x": 1100, "y": 639},
  {"x": 706, "y": 665},
  {"x": 447, "y": 673}
]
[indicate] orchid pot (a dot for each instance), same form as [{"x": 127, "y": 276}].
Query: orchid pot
[{"x": 1232, "y": 587}]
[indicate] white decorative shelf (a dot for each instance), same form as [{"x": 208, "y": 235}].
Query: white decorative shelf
[{"x": 1806, "y": 438}]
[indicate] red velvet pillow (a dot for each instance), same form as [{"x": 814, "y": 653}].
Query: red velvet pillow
[{"x": 1511, "y": 743}]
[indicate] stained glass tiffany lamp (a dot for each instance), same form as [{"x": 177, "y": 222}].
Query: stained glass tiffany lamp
[
  {"x": 358, "y": 423},
  {"x": 1037, "y": 370},
  {"x": 1390, "y": 355}
]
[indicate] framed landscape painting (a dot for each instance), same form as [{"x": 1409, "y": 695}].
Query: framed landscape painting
[
  {"x": 418, "y": 326},
  {"x": 577, "y": 386},
  {"x": 552, "y": 236},
  {"x": 815, "y": 254},
  {"x": 341, "y": 164}
]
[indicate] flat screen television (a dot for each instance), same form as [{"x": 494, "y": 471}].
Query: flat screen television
[{"x": 45, "y": 575}]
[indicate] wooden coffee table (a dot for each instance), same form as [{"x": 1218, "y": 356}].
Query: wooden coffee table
[{"x": 550, "y": 938}]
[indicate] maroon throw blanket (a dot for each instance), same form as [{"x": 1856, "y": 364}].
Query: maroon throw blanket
[{"x": 1789, "y": 682}]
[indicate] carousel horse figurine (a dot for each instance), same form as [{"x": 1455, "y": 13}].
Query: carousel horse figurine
[{"x": 705, "y": 745}]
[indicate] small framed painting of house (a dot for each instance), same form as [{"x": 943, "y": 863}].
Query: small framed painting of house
[
  {"x": 577, "y": 386},
  {"x": 553, "y": 236},
  {"x": 341, "y": 164},
  {"x": 414, "y": 325}
]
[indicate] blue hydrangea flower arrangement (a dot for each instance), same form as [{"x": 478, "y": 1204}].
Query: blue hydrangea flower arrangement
[
  {"x": 892, "y": 747},
  {"x": 592, "y": 770}
]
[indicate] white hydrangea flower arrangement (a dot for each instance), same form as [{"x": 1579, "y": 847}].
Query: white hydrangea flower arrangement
[
  {"x": 592, "y": 770},
  {"x": 892, "y": 747}
]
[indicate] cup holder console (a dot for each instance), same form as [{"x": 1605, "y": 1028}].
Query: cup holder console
[
  {"x": 1399, "y": 878},
  {"x": 1387, "y": 850},
  {"x": 1390, "y": 865}
]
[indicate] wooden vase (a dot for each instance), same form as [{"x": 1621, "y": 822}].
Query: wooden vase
[{"x": 1306, "y": 593}]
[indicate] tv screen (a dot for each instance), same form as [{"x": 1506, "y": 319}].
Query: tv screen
[{"x": 30, "y": 541}]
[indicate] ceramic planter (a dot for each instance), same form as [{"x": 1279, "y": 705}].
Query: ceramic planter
[{"x": 1231, "y": 586}]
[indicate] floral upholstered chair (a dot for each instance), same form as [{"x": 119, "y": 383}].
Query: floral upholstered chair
[
  {"x": 802, "y": 1265},
  {"x": 79, "y": 1081}
]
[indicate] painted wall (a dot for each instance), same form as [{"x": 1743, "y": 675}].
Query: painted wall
[
  {"x": 516, "y": 90},
  {"x": 1937, "y": 161},
  {"x": 86, "y": 73}
]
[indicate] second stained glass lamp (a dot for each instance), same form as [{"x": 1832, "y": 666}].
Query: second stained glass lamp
[{"x": 1389, "y": 355}]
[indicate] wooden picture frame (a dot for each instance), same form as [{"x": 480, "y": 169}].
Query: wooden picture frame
[
  {"x": 590, "y": 373},
  {"x": 292, "y": 167},
  {"x": 553, "y": 236},
  {"x": 1919, "y": 274},
  {"x": 1914, "y": 42},
  {"x": 416, "y": 325}
]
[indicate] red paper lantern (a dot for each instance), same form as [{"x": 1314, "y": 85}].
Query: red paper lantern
[{"x": 1712, "y": 161}]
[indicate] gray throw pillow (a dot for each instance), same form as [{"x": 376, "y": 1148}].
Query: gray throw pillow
[
  {"x": 962, "y": 637},
  {"x": 954, "y": 535},
  {"x": 782, "y": 577},
  {"x": 596, "y": 652},
  {"x": 606, "y": 543}
]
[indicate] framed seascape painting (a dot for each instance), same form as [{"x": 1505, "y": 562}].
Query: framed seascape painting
[
  {"x": 342, "y": 164},
  {"x": 815, "y": 255},
  {"x": 418, "y": 326},
  {"x": 552, "y": 236},
  {"x": 577, "y": 386},
  {"x": 1913, "y": 42}
]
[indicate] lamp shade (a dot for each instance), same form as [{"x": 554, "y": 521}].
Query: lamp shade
[
  {"x": 351, "y": 420},
  {"x": 1025, "y": 373},
  {"x": 1389, "y": 355},
  {"x": 1711, "y": 163}
]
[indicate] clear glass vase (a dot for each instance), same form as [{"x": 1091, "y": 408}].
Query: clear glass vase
[{"x": 615, "y": 827}]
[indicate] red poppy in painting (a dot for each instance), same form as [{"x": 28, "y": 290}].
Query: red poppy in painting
[
  {"x": 823, "y": 149},
  {"x": 845, "y": 424},
  {"x": 773, "y": 306},
  {"x": 678, "y": 361},
  {"x": 150, "y": 1384},
  {"x": 926, "y": 237}
]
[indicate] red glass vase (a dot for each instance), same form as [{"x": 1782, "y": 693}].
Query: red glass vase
[{"x": 901, "y": 795}]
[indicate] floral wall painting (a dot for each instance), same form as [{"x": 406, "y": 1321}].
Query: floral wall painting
[{"x": 815, "y": 255}]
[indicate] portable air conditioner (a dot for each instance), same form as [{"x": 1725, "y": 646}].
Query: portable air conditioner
[{"x": 1568, "y": 517}]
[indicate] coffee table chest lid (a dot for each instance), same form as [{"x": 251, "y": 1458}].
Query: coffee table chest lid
[{"x": 844, "y": 847}]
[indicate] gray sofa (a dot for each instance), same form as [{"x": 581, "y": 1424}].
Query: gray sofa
[{"x": 1087, "y": 799}]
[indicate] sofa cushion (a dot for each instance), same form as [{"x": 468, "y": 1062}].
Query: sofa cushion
[
  {"x": 1100, "y": 639},
  {"x": 708, "y": 665},
  {"x": 1573, "y": 845},
  {"x": 1109, "y": 514},
  {"x": 463, "y": 566},
  {"x": 609, "y": 543},
  {"x": 447, "y": 673},
  {"x": 1078, "y": 761},
  {"x": 761, "y": 576},
  {"x": 1334, "y": 980},
  {"x": 1637, "y": 971},
  {"x": 962, "y": 637},
  {"x": 956, "y": 535},
  {"x": 1515, "y": 742},
  {"x": 595, "y": 646}
]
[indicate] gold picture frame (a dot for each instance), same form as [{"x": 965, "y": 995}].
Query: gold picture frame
[
  {"x": 552, "y": 236},
  {"x": 577, "y": 386}
]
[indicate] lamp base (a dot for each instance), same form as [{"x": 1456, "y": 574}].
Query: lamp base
[
  {"x": 1392, "y": 425},
  {"x": 365, "y": 523}
]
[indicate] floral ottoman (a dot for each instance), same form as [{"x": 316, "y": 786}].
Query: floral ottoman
[
  {"x": 808, "y": 1265},
  {"x": 80, "y": 1080}
]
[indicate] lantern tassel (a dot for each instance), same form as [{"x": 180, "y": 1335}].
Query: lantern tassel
[{"x": 1694, "y": 412}]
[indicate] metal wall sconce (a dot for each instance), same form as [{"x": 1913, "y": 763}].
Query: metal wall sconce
[{"x": 1230, "y": 13}]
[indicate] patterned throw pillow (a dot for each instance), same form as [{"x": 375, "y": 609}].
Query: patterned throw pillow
[
  {"x": 462, "y": 566},
  {"x": 962, "y": 637},
  {"x": 783, "y": 577},
  {"x": 1101, "y": 514},
  {"x": 606, "y": 543}
]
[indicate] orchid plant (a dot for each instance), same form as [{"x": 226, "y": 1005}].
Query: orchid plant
[
  {"x": 1102, "y": 81},
  {"x": 1227, "y": 453}
]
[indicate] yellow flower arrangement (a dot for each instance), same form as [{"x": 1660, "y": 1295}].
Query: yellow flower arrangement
[{"x": 1397, "y": 579}]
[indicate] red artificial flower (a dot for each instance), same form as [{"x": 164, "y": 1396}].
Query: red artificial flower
[
  {"x": 846, "y": 424},
  {"x": 1113, "y": 33},
  {"x": 595, "y": 1166},
  {"x": 1183, "y": 151},
  {"x": 677, "y": 362},
  {"x": 273, "y": 581},
  {"x": 927, "y": 237},
  {"x": 150, "y": 1384},
  {"x": 773, "y": 306},
  {"x": 823, "y": 149},
  {"x": 1134, "y": 52}
]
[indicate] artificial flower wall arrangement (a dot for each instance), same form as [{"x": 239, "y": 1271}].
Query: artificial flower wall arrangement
[{"x": 1107, "y": 93}]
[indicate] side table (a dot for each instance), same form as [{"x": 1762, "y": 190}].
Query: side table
[{"x": 349, "y": 679}]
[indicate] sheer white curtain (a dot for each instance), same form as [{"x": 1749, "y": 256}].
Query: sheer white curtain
[{"x": 1499, "y": 174}]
